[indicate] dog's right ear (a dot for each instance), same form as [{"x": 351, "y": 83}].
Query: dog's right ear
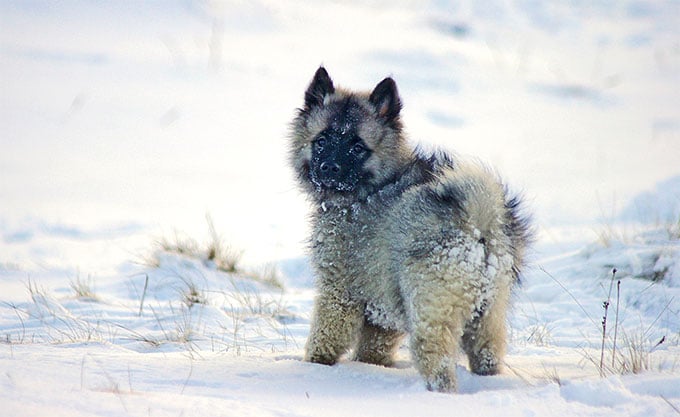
[
  {"x": 386, "y": 100},
  {"x": 320, "y": 87}
]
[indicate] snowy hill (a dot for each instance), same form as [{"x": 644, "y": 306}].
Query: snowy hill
[
  {"x": 181, "y": 336},
  {"x": 124, "y": 123}
]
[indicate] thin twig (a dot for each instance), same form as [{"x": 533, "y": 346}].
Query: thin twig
[
  {"x": 141, "y": 303},
  {"x": 186, "y": 381},
  {"x": 570, "y": 294},
  {"x": 663, "y": 310},
  {"x": 517, "y": 374},
  {"x": 676, "y": 409},
  {"x": 616, "y": 321},
  {"x": 605, "y": 304}
]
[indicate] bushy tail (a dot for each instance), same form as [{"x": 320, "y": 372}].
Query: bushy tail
[
  {"x": 479, "y": 195},
  {"x": 486, "y": 208}
]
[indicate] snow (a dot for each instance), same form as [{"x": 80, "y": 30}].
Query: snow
[{"x": 124, "y": 124}]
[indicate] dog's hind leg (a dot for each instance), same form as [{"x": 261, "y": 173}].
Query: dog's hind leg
[
  {"x": 436, "y": 328},
  {"x": 434, "y": 347},
  {"x": 484, "y": 340},
  {"x": 377, "y": 345}
]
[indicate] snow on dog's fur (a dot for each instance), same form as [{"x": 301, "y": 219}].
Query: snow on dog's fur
[{"x": 403, "y": 242}]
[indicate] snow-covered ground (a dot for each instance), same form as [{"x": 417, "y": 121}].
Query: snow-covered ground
[{"x": 125, "y": 123}]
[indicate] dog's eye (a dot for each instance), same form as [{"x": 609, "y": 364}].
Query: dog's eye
[
  {"x": 320, "y": 142},
  {"x": 358, "y": 149}
]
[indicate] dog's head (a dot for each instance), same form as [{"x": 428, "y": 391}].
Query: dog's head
[{"x": 347, "y": 143}]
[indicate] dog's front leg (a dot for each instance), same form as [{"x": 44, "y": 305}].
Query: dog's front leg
[{"x": 335, "y": 325}]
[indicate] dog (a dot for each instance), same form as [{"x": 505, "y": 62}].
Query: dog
[{"x": 403, "y": 242}]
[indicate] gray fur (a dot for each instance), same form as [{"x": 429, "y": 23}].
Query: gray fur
[{"x": 424, "y": 245}]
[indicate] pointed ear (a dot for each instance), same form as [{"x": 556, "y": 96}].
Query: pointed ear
[
  {"x": 320, "y": 87},
  {"x": 386, "y": 100}
]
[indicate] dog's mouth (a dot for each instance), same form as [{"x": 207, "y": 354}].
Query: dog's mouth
[{"x": 332, "y": 184}]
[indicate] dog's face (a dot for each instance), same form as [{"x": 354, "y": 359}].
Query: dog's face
[
  {"x": 344, "y": 142},
  {"x": 338, "y": 159}
]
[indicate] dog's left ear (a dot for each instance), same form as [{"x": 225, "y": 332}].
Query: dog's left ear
[
  {"x": 386, "y": 100},
  {"x": 320, "y": 87}
]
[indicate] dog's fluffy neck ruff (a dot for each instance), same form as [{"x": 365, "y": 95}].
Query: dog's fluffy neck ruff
[{"x": 421, "y": 168}]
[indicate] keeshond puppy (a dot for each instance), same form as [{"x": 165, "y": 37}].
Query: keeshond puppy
[{"x": 403, "y": 242}]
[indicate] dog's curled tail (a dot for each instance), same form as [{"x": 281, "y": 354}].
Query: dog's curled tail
[{"x": 478, "y": 196}]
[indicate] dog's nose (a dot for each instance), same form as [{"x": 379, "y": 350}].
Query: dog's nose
[{"x": 329, "y": 168}]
